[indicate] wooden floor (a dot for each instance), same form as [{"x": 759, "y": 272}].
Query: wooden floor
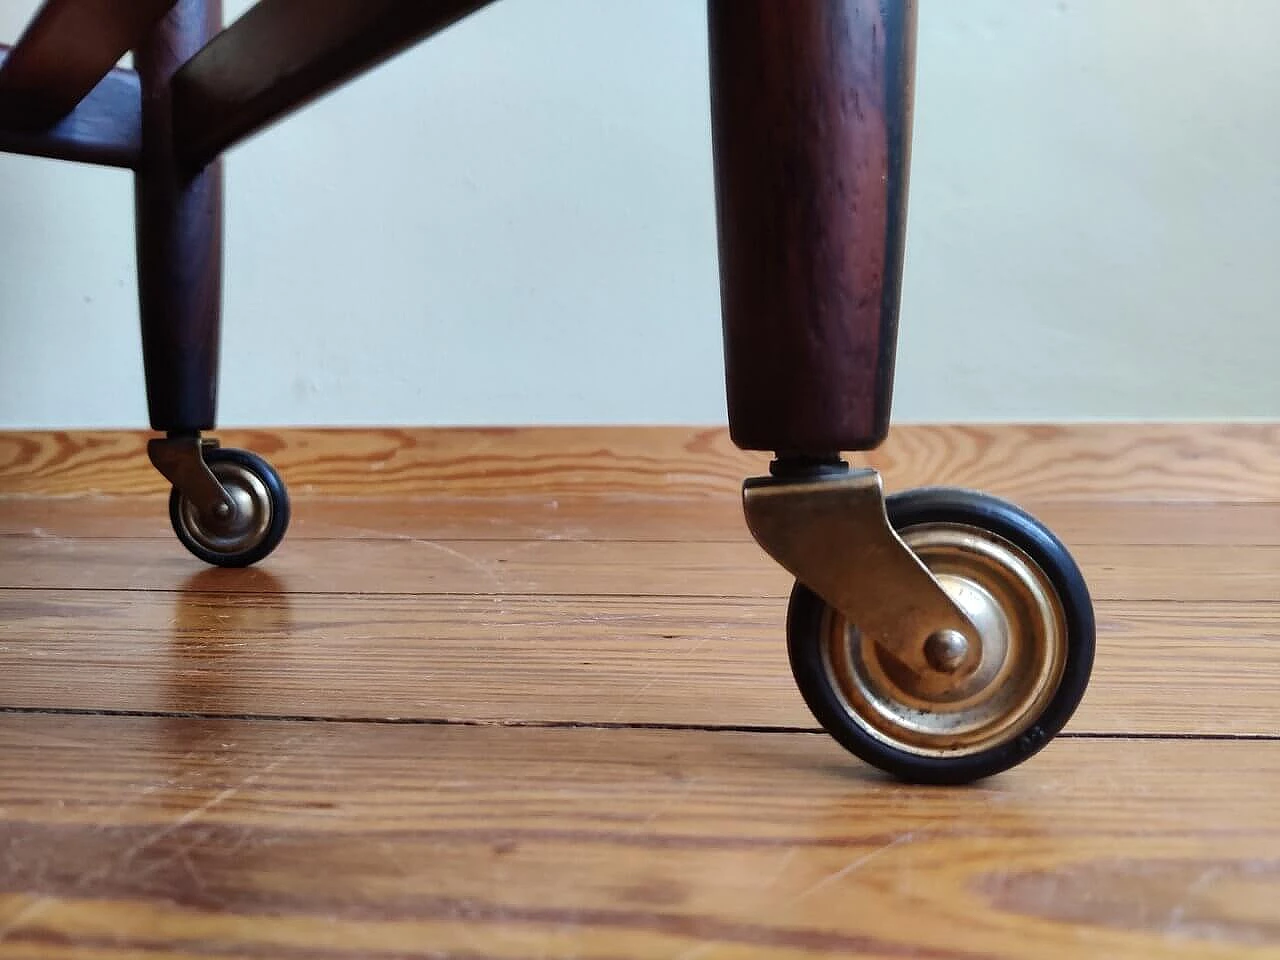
[{"x": 524, "y": 694}]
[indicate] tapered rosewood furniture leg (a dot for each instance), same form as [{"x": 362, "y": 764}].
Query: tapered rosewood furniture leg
[
  {"x": 941, "y": 635},
  {"x": 179, "y": 237},
  {"x": 811, "y": 113}
]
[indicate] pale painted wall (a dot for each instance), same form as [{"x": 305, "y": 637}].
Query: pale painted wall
[{"x": 514, "y": 224}]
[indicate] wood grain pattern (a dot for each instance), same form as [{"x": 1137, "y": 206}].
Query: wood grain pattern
[
  {"x": 1194, "y": 668},
  {"x": 811, "y": 126},
  {"x": 65, "y": 51},
  {"x": 185, "y": 838},
  {"x": 562, "y": 722},
  {"x": 105, "y": 127},
  {"x": 283, "y": 54},
  {"x": 1080, "y": 523},
  {"x": 178, "y": 223},
  {"x": 563, "y": 567},
  {"x": 1124, "y": 462}
]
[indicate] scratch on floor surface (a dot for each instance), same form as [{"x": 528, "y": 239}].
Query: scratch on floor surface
[
  {"x": 29, "y": 912},
  {"x": 676, "y": 798},
  {"x": 701, "y": 949},
  {"x": 289, "y": 751},
  {"x": 852, "y": 867},
  {"x": 481, "y": 567}
]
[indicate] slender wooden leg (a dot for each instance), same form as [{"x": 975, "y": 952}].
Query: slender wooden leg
[
  {"x": 228, "y": 507},
  {"x": 811, "y": 119},
  {"x": 179, "y": 236}
]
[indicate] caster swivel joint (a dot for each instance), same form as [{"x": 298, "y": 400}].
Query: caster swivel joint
[{"x": 831, "y": 532}]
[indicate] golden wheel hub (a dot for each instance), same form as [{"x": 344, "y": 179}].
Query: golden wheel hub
[
  {"x": 942, "y": 710},
  {"x": 238, "y": 530}
]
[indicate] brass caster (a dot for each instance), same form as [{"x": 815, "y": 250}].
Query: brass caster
[
  {"x": 228, "y": 507},
  {"x": 883, "y": 664}
]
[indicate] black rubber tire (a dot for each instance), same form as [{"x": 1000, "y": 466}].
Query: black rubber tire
[
  {"x": 278, "y": 503},
  {"x": 947, "y": 505}
]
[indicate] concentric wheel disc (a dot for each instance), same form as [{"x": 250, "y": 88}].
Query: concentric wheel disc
[
  {"x": 941, "y": 711},
  {"x": 246, "y": 526}
]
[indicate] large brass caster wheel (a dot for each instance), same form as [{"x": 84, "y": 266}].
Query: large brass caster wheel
[
  {"x": 961, "y": 717},
  {"x": 246, "y": 529}
]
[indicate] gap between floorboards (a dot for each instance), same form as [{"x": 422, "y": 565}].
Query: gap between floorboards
[{"x": 562, "y": 724}]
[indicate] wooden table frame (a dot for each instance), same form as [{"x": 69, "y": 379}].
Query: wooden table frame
[{"x": 811, "y": 108}]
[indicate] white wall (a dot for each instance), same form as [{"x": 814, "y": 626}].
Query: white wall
[{"x": 514, "y": 224}]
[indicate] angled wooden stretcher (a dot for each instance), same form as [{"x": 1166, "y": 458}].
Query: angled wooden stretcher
[{"x": 942, "y": 635}]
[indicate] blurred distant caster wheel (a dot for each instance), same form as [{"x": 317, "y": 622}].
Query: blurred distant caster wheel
[
  {"x": 1030, "y": 606},
  {"x": 246, "y": 534}
]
